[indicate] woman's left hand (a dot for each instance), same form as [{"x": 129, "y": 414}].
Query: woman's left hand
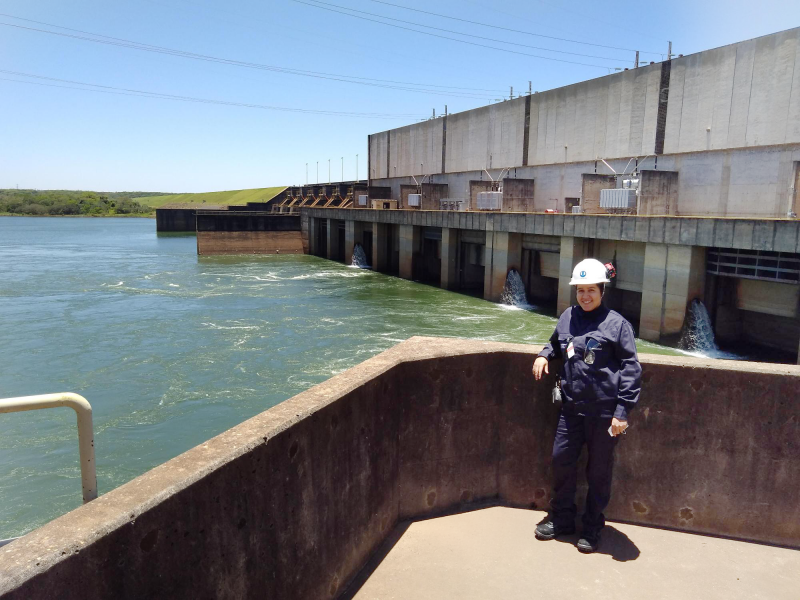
[{"x": 618, "y": 426}]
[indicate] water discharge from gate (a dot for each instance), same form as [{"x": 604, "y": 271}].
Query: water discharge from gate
[
  {"x": 698, "y": 333},
  {"x": 359, "y": 258},
  {"x": 514, "y": 291}
]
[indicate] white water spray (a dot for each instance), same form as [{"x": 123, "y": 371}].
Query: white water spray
[
  {"x": 514, "y": 291},
  {"x": 697, "y": 335},
  {"x": 359, "y": 258}
]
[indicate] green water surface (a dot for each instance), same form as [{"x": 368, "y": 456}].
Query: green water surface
[{"x": 171, "y": 349}]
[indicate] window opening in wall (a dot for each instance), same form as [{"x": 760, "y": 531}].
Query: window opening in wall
[
  {"x": 571, "y": 203},
  {"x": 754, "y": 264}
]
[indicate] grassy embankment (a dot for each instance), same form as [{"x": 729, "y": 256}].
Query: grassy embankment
[
  {"x": 71, "y": 203},
  {"x": 231, "y": 197}
]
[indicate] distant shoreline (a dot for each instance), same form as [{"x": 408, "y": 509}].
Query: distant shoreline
[{"x": 139, "y": 216}]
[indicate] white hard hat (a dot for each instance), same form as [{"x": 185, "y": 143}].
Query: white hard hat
[{"x": 589, "y": 271}]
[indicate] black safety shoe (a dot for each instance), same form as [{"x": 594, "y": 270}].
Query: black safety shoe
[
  {"x": 589, "y": 542},
  {"x": 549, "y": 530}
]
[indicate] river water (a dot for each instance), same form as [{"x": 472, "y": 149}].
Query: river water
[{"x": 172, "y": 349}]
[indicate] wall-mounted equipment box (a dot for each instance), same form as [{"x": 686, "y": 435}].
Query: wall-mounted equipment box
[
  {"x": 384, "y": 204},
  {"x": 414, "y": 200},
  {"x": 576, "y": 210},
  {"x": 618, "y": 199},
  {"x": 362, "y": 200},
  {"x": 453, "y": 204},
  {"x": 490, "y": 201}
]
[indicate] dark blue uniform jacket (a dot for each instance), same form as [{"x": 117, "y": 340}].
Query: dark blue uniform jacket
[{"x": 610, "y": 386}]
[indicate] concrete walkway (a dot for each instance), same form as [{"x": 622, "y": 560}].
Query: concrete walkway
[{"x": 491, "y": 554}]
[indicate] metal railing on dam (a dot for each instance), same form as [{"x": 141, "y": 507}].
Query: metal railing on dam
[{"x": 292, "y": 503}]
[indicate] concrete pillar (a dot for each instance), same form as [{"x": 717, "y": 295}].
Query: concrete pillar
[
  {"x": 449, "y": 279},
  {"x": 312, "y": 235},
  {"x": 573, "y": 250},
  {"x": 380, "y": 254},
  {"x": 503, "y": 253},
  {"x": 349, "y": 241},
  {"x": 333, "y": 239},
  {"x": 673, "y": 277},
  {"x": 409, "y": 247}
]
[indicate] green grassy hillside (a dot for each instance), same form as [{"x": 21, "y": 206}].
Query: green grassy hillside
[{"x": 223, "y": 198}]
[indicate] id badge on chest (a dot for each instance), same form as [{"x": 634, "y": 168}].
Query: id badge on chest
[{"x": 570, "y": 350}]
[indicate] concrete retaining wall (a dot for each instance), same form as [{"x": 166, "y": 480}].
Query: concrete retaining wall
[
  {"x": 739, "y": 95},
  {"x": 727, "y": 119},
  {"x": 250, "y": 233},
  {"x": 291, "y": 503},
  {"x": 250, "y": 242}
]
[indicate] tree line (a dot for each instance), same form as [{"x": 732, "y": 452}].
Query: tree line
[{"x": 67, "y": 202}]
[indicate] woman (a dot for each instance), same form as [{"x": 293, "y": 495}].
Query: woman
[{"x": 599, "y": 384}]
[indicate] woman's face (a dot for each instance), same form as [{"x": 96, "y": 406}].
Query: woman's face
[{"x": 589, "y": 297}]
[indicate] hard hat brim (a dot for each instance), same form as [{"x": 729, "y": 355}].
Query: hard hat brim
[{"x": 585, "y": 282}]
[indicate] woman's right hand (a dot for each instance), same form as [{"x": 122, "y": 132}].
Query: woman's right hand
[{"x": 540, "y": 366}]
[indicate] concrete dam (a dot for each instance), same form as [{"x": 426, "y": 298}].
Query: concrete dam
[{"x": 685, "y": 174}]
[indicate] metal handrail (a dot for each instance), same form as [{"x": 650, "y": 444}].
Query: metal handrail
[{"x": 83, "y": 410}]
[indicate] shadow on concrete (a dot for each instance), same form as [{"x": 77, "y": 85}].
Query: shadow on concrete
[
  {"x": 617, "y": 545},
  {"x": 375, "y": 561},
  {"x": 613, "y": 542}
]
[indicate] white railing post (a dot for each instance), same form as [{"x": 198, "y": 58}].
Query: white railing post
[{"x": 85, "y": 430}]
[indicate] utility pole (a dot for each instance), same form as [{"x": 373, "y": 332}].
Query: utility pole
[
  {"x": 636, "y": 62},
  {"x": 669, "y": 53},
  {"x": 511, "y": 95},
  {"x": 530, "y": 87},
  {"x": 434, "y": 113},
  {"x": 445, "y": 110}
]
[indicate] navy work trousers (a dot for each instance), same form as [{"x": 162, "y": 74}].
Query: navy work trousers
[{"x": 573, "y": 432}]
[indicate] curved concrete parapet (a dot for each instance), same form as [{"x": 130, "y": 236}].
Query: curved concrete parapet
[{"x": 291, "y": 503}]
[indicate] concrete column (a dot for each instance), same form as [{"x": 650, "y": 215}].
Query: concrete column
[
  {"x": 449, "y": 258},
  {"x": 349, "y": 241},
  {"x": 333, "y": 239},
  {"x": 573, "y": 250},
  {"x": 673, "y": 277},
  {"x": 409, "y": 247},
  {"x": 380, "y": 255},
  {"x": 312, "y": 235},
  {"x": 503, "y": 253}
]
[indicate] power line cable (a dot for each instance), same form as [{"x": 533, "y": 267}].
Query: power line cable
[
  {"x": 383, "y": 83},
  {"x": 162, "y": 96},
  {"x": 549, "y": 37},
  {"x": 616, "y": 59},
  {"x": 444, "y": 37}
]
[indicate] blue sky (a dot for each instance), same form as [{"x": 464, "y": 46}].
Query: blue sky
[{"x": 58, "y": 138}]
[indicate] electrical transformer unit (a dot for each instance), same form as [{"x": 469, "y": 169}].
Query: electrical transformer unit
[{"x": 490, "y": 201}]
